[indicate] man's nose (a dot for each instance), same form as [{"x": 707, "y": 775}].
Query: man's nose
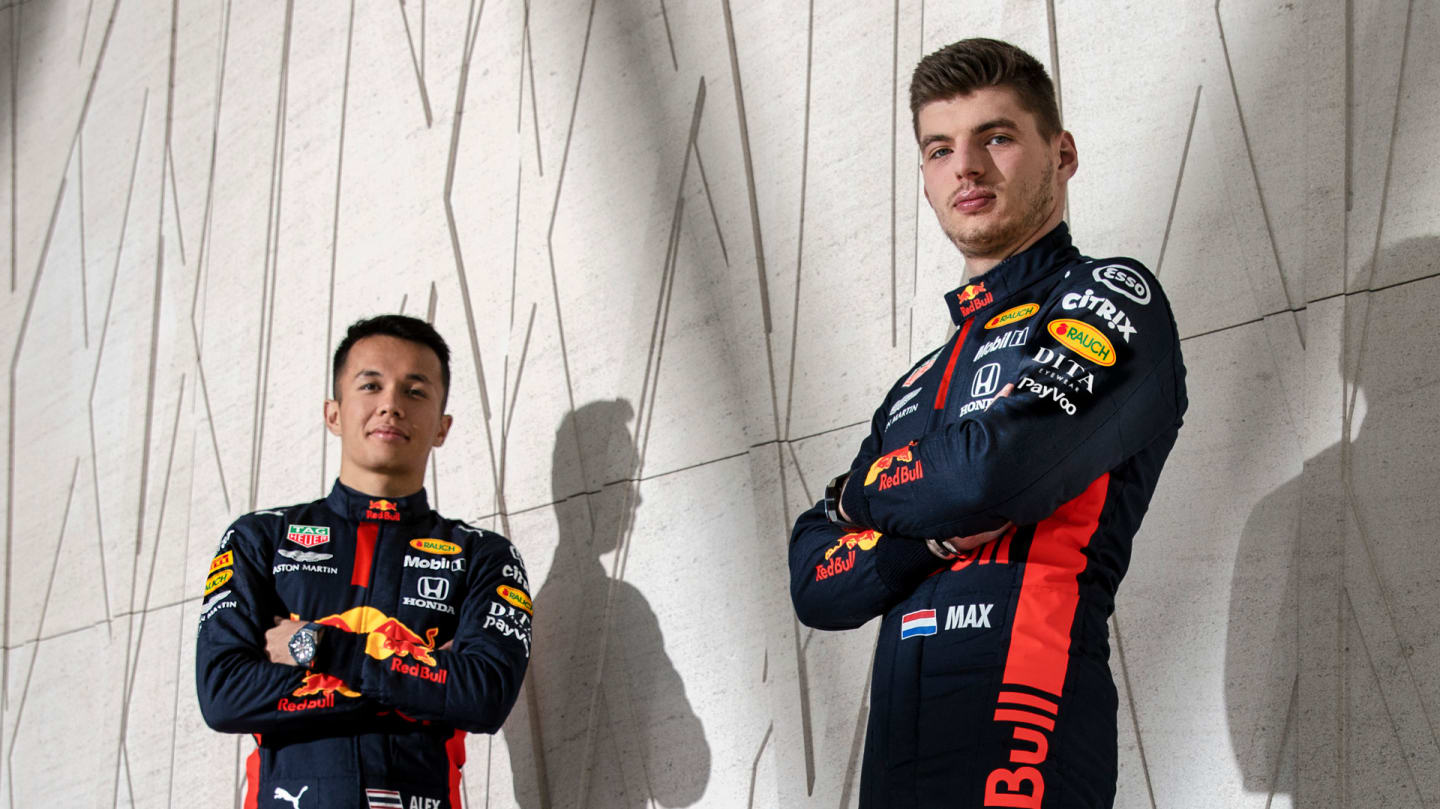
[
  {"x": 390, "y": 404},
  {"x": 970, "y": 162}
]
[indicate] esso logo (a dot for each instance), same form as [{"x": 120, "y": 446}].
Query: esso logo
[{"x": 1125, "y": 281}]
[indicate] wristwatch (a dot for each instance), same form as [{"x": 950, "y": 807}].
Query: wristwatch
[
  {"x": 833, "y": 490},
  {"x": 304, "y": 642}
]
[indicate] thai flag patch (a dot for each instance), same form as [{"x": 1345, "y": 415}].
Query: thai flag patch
[
  {"x": 919, "y": 622},
  {"x": 383, "y": 799}
]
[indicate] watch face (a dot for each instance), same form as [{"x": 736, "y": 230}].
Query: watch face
[{"x": 302, "y": 645}]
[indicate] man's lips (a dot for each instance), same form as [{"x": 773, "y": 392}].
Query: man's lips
[
  {"x": 972, "y": 201},
  {"x": 389, "y": 433}
]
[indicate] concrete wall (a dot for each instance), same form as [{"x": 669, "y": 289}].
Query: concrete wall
[{"x": 680, "y": 251}]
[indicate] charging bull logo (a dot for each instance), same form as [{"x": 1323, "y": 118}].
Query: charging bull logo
[
  {"x": 385, "y": 636},
  {"x": 323, "y": 684},
  {"x": 837, "y": 561},
  {"x": 864, "y": 540},
  {"x": 902, "y": 474}
]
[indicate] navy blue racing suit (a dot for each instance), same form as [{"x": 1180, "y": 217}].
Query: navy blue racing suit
[
  {"x": 991, "y": 683},
  {"x": 379, "y": 718}
]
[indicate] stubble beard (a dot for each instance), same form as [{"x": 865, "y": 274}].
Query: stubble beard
[{"x": 999, "y": 239}]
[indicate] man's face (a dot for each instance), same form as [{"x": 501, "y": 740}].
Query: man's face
[
  {"x": 388, "y": 412},
  {"x": 993, "y": 180}
]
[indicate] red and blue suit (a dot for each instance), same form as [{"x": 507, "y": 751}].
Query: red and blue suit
[
  {"x": 991, "y": 683},
  {"x": 426, "y": 636}
]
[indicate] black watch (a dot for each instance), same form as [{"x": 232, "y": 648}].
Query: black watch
[
  {"x": 833, "y": 490},
  {"x": 304, "y": 643}
]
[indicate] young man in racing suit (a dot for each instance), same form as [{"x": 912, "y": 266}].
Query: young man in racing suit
[
  {"x": 988, "y": 516},
  {"x": 360, "y": 636}
]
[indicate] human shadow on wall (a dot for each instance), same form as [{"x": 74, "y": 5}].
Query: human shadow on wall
[
  {"x": 1399, "y": 428},
  {"x": 616, "y": 728}
]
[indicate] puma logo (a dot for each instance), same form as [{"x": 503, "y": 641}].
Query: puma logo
[{"x": 282, "y": 795}]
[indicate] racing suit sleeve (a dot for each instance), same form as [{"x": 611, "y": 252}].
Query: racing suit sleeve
[
  {"x": 841, "y": 578},
  {"x": 473, "y": 684},
  {"x": 240, "y": 690},
  {"x": 1070, "y": 419}
]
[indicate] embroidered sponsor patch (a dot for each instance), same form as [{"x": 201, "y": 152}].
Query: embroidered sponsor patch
[
  {"x": 308, "y": 535},
  {"x": 516, "y": 596},
  {"x": 225, "y": 559},
  {"x": 1083, "y": 339},
  {"x": 217, "y": 580},
  {"x": 1014, "y": 314},
  {"x": 432, "y": 545},
  {"x": 1125, "y": 281}
]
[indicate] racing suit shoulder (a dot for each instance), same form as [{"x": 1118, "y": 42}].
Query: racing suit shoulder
[{"x": 1101, "y": 377}]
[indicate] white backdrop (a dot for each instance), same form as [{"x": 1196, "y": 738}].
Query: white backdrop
[{"x": 680, "y": 251}]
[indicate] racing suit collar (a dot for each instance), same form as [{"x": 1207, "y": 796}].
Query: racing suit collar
[
  {"x": 986, "y": 292},
  {"x": 359, "y": 506}
]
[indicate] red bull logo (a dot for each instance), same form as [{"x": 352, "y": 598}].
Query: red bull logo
[
  {"x": 394, "y": 639},
  {"x": 324, "y": 684},
  {"x": 902, "y": 455},
  {"x": 386, "y": 637},
  {"x": 864, "y": 540},
  {"x": 973, "y": 298},
  {"x": 838, "y": 562},
  {"x": 382, "y": 510}
]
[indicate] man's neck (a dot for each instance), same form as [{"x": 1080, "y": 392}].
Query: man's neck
[{"x": 378, "y": 484}]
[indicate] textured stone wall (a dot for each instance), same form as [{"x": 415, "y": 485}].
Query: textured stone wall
[{"x": 680, "y": 250}]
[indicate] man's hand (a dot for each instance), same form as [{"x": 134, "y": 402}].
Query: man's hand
[
  {"x": 277, "y": 641},
  {"x": 962, "y": 544}
]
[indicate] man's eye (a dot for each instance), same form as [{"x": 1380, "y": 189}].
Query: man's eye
[
  {"x": 417, "y": 393},
  {"x": 938, "y": 153},
  {"x": 369, "y": 386},
  {"x": 1000, "y": 139}
]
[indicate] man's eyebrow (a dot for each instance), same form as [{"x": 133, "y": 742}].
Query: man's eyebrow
[
  {"x": 929, "y": 139},
  {"x": 371, "y": 372},
  {"x": 995, "y": 123}
]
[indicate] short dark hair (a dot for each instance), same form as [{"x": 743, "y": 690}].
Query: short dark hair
[
  {"x": 963, "y": 67},
  {"x": 403, "y": 327}
]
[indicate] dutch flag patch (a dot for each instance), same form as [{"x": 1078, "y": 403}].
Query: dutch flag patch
[{"x": 920, "y": 622}]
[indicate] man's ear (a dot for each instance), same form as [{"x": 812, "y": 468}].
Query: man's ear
[
  {"x": 445, "y": 422},
  {"x": 332, "y": 416},
  {"x": 1069, "y": 156}
]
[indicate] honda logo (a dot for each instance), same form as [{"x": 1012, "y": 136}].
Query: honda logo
[
  {"x": 433, "y": 587},
  {"x": 987, "y": 380}
]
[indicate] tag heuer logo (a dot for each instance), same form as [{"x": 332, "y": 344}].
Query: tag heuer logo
[{"x": 308, "y": 535}]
